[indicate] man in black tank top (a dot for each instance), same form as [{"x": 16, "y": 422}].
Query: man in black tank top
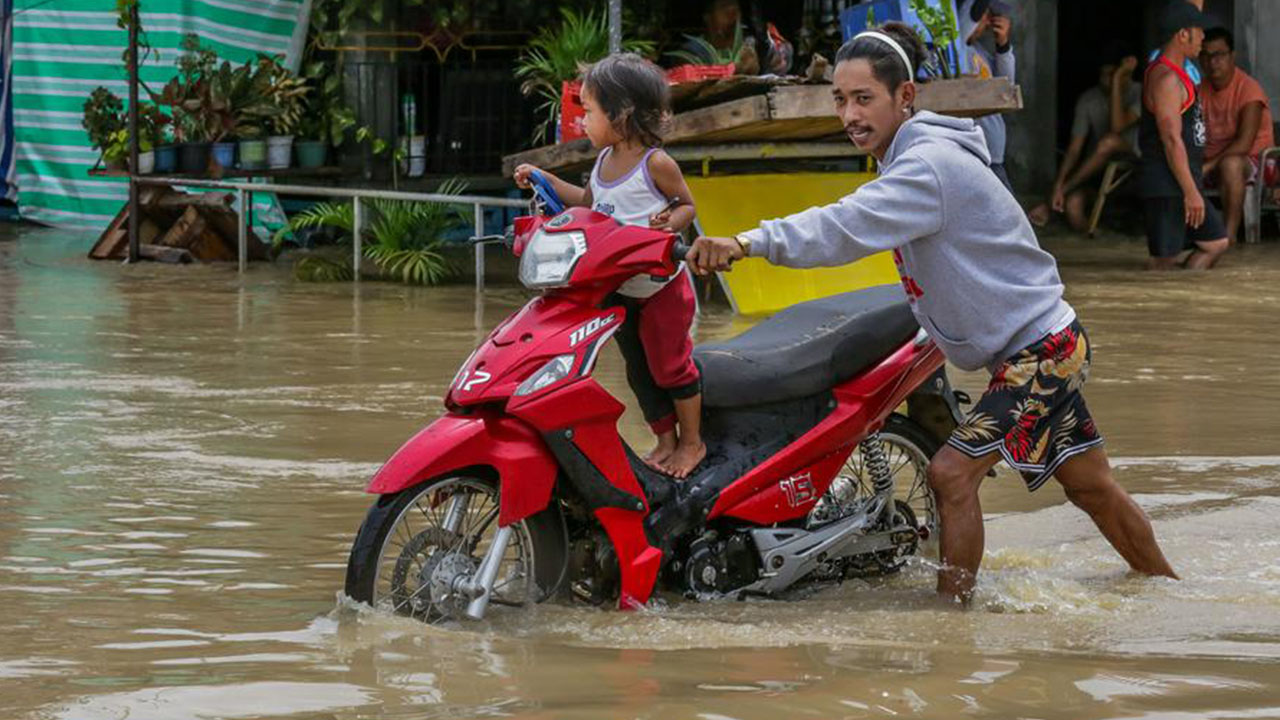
[{"x": 1182, "y": 229}]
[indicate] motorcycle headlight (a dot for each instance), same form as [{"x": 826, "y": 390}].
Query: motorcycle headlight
[
  {"x": 553, "y": 372},
  {"x": 548, "y": 258}
]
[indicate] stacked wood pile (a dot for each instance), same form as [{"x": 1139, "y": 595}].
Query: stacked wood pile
[{"x": 179, "y": 227}]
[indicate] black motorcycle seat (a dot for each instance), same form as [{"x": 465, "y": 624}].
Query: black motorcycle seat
[{"x": 805, "y": 349}]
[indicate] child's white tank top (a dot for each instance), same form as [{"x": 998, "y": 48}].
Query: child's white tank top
[{"x": 631, "y": 200}]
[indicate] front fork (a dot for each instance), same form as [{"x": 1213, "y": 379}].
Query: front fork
[{"x": 480, "y": 585}]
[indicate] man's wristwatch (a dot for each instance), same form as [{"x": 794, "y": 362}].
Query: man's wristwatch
[{"x": 745, "y": 243}]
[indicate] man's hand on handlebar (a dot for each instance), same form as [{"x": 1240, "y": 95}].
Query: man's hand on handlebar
[{"x": 713, "y": 254}]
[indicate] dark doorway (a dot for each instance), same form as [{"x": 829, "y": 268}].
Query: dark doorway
[{"x": 1090, "y": 33}]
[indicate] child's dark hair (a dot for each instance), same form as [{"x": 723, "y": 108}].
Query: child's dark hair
[
  {"x": 886, "y": 64},
  {"x": 633, "y": 93}
]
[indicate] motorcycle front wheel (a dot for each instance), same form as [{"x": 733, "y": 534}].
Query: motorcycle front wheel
[{"x": 418, "y": 548}]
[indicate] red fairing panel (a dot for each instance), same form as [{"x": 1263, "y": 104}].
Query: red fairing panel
[
  {"x": 862, "y": 404},
  {"x": 592, "y": 414},
  {"x": 791, "y": 497},
  {"x": 525, "y": 466}
]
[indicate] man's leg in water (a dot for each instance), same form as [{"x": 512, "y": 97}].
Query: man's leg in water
[
  {"x": 1207, "y": 254},
  {"x": 1087, "y": 480},
  {"x": 955, "y": 479}
]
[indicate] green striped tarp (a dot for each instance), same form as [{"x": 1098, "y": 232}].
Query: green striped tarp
[{"x": 64, "y": 49}]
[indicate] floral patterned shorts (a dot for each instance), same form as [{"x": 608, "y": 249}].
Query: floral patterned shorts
[{"x": 1032, "y": 412}]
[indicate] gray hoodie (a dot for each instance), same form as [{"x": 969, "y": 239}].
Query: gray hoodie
[{"x": 977, "y": 279}]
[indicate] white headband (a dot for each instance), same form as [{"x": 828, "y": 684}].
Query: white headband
[{"x": 911, "y": 75}]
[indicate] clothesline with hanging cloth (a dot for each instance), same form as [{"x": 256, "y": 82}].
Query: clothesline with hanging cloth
[{"x": 61, "y": 52}]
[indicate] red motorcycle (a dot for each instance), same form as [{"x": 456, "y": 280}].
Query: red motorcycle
[{"x": 819, "y": 423}]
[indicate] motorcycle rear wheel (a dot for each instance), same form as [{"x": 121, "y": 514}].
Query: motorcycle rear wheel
[{"x": 416, "y": 547}]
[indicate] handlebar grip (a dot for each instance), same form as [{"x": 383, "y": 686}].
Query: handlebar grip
[{"x": 679, "y": 251}]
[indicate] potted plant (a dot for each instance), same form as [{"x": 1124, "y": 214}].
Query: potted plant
[
  {"x": 252, "y": 151},
  {"x": 312, "y": 146},
  {"x": 115, "y": 153},
  {"x": 251, "y": 107},
  {"x": 287, "y": 94},
  {"x": 188, "y": 95},
  {"x": 151, "y": 124},
  {"x": 232, "y": 101},
  {"x": 702, "y": 60},
  {"x": 325, "y": 125},
  {"x": 103, "y": 118},
  {"x": 166, "y": 153},
  {"x": 555, "y": 56}
]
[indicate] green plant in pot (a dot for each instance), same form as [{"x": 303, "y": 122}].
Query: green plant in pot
[
  {"x": 151, "y": 127},
  {"x": 327, "y": 119},
  {"x": 287, "y": 93},
  {"x": 188, "y": 94},
  {"x": 556, "y": 55},
  {"x": 103, "y": 118},
  {"x": 240, "y": 103}
]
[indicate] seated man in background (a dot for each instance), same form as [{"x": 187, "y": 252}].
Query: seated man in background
[
  {"x": 1105, "y": 126},
  {"x": 1239, "y": 127}
]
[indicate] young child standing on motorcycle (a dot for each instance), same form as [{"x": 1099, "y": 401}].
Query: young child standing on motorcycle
[{"x": 627, "y": 102}]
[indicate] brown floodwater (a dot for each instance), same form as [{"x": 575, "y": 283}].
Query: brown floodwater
[{"x": 183, "y": 452}]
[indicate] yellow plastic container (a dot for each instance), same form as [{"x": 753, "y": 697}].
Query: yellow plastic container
[{"x": 731, "y": 204}]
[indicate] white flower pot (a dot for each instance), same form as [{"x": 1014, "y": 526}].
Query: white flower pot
[
  {"x": 147, "y": 162},
  {"x": 279, "y": 152}
]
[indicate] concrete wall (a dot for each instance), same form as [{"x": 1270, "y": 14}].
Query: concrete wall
[
  {"x": 1031, "y": 156},
  {"x": 1258, "y": 45}
]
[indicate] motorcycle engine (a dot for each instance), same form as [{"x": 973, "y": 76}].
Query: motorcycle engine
[{"x": 718, "y": 566}]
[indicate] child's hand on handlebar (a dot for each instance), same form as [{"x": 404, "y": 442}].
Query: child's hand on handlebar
[
  {"x": 713, "y": 254},
  {"x": 522, "y": 173}
]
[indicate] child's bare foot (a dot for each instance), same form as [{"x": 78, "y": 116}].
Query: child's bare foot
[
  {"x": 685, "y": 459},
  {"x": 661, "y": 453}
]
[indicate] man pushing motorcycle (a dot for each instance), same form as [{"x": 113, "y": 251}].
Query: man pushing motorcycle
[{"x": 980, "y": 286}]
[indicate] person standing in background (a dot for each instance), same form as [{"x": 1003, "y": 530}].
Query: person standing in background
[
  {"x": 976, "y": 19},
  {"x": 1181, "y": 228}
]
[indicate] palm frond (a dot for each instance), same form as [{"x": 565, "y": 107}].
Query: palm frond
[
  {"x": 340, "y": 215},
  {"x": 314, "y": 268}
]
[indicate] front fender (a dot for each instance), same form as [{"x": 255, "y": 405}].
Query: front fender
[{"x": 525, "y": 466}]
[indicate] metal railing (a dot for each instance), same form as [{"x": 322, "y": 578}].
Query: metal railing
[{"x": 244, "y": 198}]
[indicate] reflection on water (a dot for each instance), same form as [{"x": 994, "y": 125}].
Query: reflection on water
[{"x": 182, "y": 455}]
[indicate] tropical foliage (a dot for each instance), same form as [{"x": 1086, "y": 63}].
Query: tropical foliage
[
  {"x": 708, "y": 54},
  {"x": 940, "y": 23},
  {"x": 405, "y": 239},
  {"x": 558, "y": 53}
]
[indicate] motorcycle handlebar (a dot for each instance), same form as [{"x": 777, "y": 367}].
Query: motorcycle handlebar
[{"x": 679, "y": 251}]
